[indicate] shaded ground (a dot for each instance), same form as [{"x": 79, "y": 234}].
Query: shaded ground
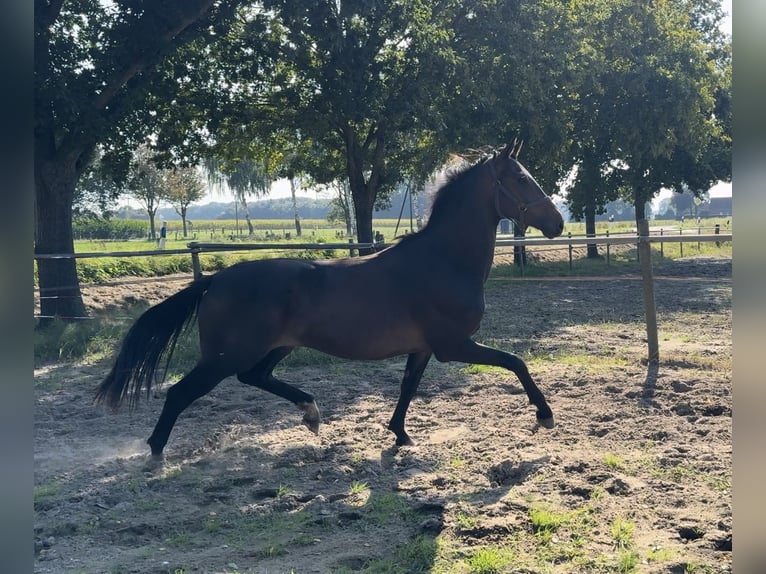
[{"x": 636, "y": 476}]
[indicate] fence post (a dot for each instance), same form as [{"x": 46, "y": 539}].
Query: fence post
[
  {"x": 717, "y": 231},
  {"x": 607, "y": 249},
  {"x": 569, "y": 235},
  {"x": 645, "y": 249},
  {"x": 350, "y": 249},
  {"x": 699, "y": 232},
  {"x": 681, "y": 243},
  {"x": 196, "y": 267},
  {"x": 662, "y": 243}
]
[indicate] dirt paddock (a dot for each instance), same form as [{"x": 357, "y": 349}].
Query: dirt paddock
[{"x": 636, "y": 476}]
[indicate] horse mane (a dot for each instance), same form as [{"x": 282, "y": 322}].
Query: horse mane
[{"x": 460, "y": 169}]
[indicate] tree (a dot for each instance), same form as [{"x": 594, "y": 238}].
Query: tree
[
  {"x": 146, "y": 184},
  {"x": 183, "y": 185},
  {"x": 97, "y": 191},
  {"x": 95, "y": 66},
  {"x": 657, "y": 111},
  {"x": 341, "y": 208},
  {"x": 244, "y": 177}
]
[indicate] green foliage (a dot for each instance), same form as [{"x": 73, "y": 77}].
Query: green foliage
[
  {"x": 112, "y": 229},
  {"x": 631, "y": 54}
]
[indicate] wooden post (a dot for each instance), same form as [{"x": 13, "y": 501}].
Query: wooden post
[
  {"x": 350, "y": 249},
  {"x": 681, "y": 243},
  {"x": 569, "y": 235},
  {"x": 607, "y": 249},
  {"x": 645, "y": 250},
  {"x": 196, "y": 267},
  {"x": 662, "y": 244}
]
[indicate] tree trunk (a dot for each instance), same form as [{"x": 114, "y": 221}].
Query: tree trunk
[
  {"x": 152, "y": 226},
  {"x": 250, "y": 228},
  {"x": 295, "y": 209},
  {"x": 183, "y": 220},
  {"x": 590, "y": 231},
  {"x": 363, "y": 203},
  {"x": 60, "y": 295}
]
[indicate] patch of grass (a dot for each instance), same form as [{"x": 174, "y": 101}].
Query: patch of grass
[
  {"x": 545, "y": 521},
  {"x": 466, "y": 521},
  {"x": 388, "y": 506},
  {"x": 358, "y": 487},
  {"x": 613, "y": 461},
  {"x": 44, "y": 496},
  {"x": 622, "y": 533},
  {"x": 627, "y": 561},
  {"x": 684, "y": 473},
  {"x": 490, "y": 560},
  {"x": 456, "y": 462},
  {"x": 72, "y": 341},
  {"x": 660, "y": 555},
  {"x": 179, "y": 539},
  {"x": 212, "y": 526},
  {"x": 282, "y": 491},
  {"x": 414, "y": 557}
]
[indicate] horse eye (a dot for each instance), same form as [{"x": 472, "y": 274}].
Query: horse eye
[{"x": 523, "y": 177}]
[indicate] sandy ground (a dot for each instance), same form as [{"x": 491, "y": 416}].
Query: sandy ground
[{"x": 636, "y": 475}]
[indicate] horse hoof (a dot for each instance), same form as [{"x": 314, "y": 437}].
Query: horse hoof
[
  {"x": 154, "y": 462},
  {"x": 547, "y": 423},
  {"x": 311, "y": 418},
  {"x": 405, "y": 441}
]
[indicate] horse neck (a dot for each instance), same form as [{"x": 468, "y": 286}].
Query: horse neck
[{"x": 465, "y": 232}]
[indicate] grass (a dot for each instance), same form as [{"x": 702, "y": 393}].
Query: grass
[
  {"x": 358, "y": 487},
  {"x": 44, "y": 496},
  {"x": 490, "y": 560},
  {"x": 613, "y": 461},
  {"x": 622, "y": 533}
]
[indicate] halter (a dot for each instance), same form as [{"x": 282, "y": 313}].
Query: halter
[{"x": 522, "y": 205}]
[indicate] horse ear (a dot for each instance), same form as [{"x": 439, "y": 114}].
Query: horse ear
[
  {"x": 508, "y": 149},
  {"x": 517, "y": 143}
]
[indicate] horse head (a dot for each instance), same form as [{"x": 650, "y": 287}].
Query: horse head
[{"x": 519, "y": 197}]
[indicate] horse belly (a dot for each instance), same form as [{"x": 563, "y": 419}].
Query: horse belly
[{"x": 364, "y": 334}]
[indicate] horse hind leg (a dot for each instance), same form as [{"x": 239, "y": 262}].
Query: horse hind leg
[
  {"x": 413, "y": 372},
  {"x": 202, "y": 379},
  {"x": 469, "y": 351},
  {"x": 261, "y": 377}
]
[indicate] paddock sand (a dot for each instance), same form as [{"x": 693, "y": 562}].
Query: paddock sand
[{"x": 636, "y": 476}]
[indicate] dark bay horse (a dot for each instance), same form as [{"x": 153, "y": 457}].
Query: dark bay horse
[{"x": 423, "y": 296}]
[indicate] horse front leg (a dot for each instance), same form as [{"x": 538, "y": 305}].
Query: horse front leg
[
  {"x": 413, "y": 372},
  {"x": 469, "y": 351}
]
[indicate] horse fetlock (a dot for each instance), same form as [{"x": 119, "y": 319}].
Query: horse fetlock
[{"x": 311, "y": 417}]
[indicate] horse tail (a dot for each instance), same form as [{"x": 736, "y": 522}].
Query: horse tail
[{"x": 151, "y": 339}]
